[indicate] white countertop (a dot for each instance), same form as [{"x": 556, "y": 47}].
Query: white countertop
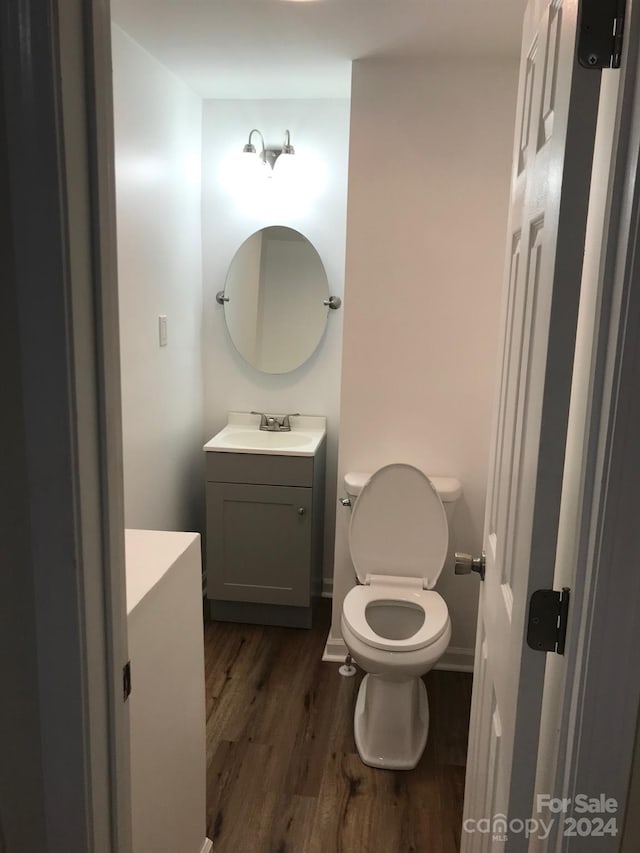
[{"x": 242, "y": 435}]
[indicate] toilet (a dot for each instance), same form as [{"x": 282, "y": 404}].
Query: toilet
[{"x": 394, "y": 624}]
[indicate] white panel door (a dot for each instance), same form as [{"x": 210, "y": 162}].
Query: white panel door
[{"x": 555, "y": 130}]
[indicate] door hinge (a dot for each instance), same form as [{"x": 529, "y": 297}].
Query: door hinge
[
  {"x": 600, "y": 30},
  {"x": 547, "y": 624},
  {"x": 126, "y": 680}
]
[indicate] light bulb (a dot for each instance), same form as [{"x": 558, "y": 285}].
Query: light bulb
[
  {"x": 285, "y": 167},
  {"x": 253, "y": 166}
]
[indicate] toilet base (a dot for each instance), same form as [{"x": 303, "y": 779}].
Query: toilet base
[{"x": 391, "y": 722}]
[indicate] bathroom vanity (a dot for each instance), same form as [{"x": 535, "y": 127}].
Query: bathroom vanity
[{"x": 265, "y": 501}]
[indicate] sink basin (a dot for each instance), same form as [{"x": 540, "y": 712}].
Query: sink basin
[
  {"x": 276, "y": 440},
  {"x": 242, "y": 435}
]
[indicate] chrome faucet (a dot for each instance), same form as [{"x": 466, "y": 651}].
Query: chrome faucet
[{"x": 272, "y": 423}]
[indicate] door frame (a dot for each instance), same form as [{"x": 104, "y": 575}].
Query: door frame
[
  {"x": 603, "y": 696},
  {"x": 65, "y": 787}
]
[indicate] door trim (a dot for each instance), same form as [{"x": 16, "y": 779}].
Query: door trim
[
  {"x": 58, "y": 124},
  {"x": 603, "y": 697},
  {"x": 101, "y": 163}
]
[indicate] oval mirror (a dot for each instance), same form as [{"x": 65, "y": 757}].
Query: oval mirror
[{"x": 274, "y": 298}]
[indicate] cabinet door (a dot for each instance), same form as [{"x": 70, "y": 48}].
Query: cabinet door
[{"x": 259, "y": 543}]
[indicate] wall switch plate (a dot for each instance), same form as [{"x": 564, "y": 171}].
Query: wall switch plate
[{"x": 162, "y": 329}]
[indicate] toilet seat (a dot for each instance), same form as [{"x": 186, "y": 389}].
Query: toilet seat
[
  {"x": 399, "y": 527},
  {"x": 396, "y": 590}
]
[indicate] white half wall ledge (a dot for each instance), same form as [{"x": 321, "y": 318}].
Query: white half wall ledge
[
  {"x": 166, "y": 644},
  {"x": 454, "y": 659}
]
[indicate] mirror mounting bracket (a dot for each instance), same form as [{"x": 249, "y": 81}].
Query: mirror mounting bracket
[{"x": 333, "y": 302}]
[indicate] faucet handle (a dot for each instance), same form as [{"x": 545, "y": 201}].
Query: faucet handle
[
  {"x": 264, "y": 423},
  {"x": 285, "y": 421}
]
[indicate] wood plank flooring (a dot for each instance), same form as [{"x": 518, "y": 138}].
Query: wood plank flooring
[{"x": 283, "y": 773}]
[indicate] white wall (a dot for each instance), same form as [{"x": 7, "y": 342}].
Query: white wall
[
  {"x": 430, "y": 157},
  {"x": 230, "y": 213},
  {"x": 158, "y": 123}
]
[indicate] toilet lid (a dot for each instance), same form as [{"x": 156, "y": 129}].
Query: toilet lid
[{"x": 399, "y": 527}]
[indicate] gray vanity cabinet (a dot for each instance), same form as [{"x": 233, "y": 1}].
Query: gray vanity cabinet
[
  {"x": 264, "y": 536},
  {"x": 259, "y": 539}
]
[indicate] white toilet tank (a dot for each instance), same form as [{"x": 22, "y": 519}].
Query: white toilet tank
[{"x": 449, "y": 489}]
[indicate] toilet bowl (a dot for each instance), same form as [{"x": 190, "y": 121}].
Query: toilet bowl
[{"x": 394, "y": 624}]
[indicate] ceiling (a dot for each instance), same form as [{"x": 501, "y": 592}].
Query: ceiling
[{"x": 304, "y": 48}]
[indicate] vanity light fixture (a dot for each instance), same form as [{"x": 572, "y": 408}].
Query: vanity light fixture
[{"x": 278, "y": 159}]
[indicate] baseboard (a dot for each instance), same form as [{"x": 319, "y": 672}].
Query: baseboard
[
  {"x": 456, "y": 660},
  {"x": 207, "y": 847},
  {"x": 335, "y": 650}
]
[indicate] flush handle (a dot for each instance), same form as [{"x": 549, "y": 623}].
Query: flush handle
[{"x": 465, "y": 564}]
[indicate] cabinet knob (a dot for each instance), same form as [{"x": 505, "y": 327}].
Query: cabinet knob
[{"x": 301, "y": 510}]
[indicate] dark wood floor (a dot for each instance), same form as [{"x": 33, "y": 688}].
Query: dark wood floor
[{"x": 283, "y": 773}]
